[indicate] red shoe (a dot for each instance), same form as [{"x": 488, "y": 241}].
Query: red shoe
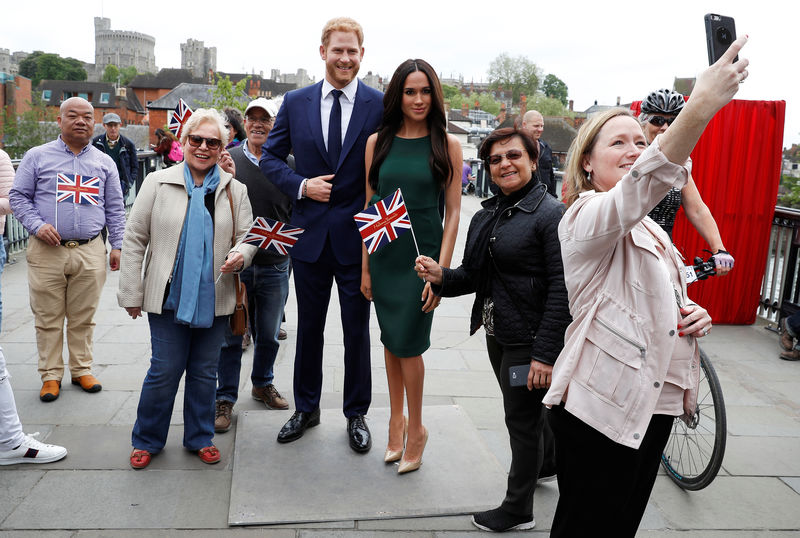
[
  {"x": 140, "y": 458},
  {"x": 209, "y": 454}
]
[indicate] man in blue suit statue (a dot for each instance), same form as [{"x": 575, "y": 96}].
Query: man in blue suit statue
[{"x": 326, "y": 126}]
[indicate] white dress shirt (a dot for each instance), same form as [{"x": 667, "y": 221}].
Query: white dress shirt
[{"x": 347, "y": 100}]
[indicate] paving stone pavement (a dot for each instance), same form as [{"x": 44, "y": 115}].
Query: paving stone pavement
[{"x": 94, "y": 492}]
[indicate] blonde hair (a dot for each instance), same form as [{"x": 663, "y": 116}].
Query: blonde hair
[
  {"x": 575, "y": 176},
  {"x": 205, "y": 115},
  {"x": 342, "y": 24}
]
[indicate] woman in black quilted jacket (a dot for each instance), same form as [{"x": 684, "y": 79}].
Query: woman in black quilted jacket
[{"x": 512, "y": 262}]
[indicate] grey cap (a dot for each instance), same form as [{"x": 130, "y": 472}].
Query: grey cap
[
  {"x": 267, "y": 105},
  {"x": 111, "y": 118}
]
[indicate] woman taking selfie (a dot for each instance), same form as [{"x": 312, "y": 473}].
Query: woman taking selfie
[{"x": 630, "y": 361}]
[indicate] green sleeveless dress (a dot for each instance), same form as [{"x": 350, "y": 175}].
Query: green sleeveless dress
[{"x": 396, "y": 288}]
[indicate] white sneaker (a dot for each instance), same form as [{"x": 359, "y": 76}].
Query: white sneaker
[{"x": 32, "y": 451}]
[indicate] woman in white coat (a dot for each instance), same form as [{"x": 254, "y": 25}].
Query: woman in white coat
[{"x": 179, "y": 231}]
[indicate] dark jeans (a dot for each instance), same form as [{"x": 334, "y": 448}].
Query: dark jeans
[
  {"x": 603, "y": 484},
  {"x": 793, "y": 327},
  {"x": 524, "y": 418},
  {"x": 267, "y": 290},
  {"x": 176, "y": 349}
]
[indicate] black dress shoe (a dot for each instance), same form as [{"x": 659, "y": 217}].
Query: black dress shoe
[
  {"x": 296, "y": 426},
  {"x": 357, "y": 430}
]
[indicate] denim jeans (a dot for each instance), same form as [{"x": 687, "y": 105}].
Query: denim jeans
[
  {"x": 176, "y": 349},
  {"x": 267, "y": 290},
  {"x": 793, "y": 327}
]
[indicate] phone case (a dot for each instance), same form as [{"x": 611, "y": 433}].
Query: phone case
[{"x": 720, "y": 33}]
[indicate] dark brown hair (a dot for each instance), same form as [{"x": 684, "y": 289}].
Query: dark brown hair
[
  {"x": 393, "y": 119},
  {"x": 501, "y": 135}
]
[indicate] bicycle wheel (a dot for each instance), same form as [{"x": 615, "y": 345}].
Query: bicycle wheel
[{"x": 694, "y": 451}]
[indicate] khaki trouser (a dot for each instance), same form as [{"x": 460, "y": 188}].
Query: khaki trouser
[{"x": 65, "y": 282}]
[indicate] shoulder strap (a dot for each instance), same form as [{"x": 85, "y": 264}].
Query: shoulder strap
[{"x": 233, "y": 213}]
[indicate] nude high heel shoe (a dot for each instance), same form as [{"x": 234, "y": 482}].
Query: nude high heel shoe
[
  {"x": 408, "y": 466},
  {"x": 392, "y": 456}
]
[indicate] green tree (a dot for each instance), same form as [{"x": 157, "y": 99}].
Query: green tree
[
  {"x": 548, "y": 106},
  {"x": 486, "y": 102},
  {"x": 46, "y": 66},
  {"x": 555, "y": 87},
  {"x": 111, "y": 74},
  {"x": 224, "y": 93},
  {"x": 127, "y": 74},
  {"x": 32, "y": 128},
  {"x": 450, "y": 91},
  {"x": 789, "y": 193},
  {"x": 519, "y": 75}
]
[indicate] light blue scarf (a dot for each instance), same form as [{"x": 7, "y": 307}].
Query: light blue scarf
[{"x": 191, "y": 293}]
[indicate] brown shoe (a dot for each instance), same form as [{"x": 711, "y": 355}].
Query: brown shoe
[
  {"x": 222, "y": 416},
  {"x": 270, "y": 396},
  {"x": 787, "y": 342},
  {"x": 88, "y": 382},
  {"x": 50, "y": 391},
  {"x": 282, "y": 334},
  {"x": 793, "y": 355}
]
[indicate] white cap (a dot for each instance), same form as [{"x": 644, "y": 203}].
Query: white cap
[{"x": 267, "y": 105}]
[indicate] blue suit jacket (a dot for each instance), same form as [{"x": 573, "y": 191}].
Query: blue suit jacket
[{"x": 298, "y": 129}]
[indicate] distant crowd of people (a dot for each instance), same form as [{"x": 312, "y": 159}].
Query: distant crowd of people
[{"x": 589, "y": 331}]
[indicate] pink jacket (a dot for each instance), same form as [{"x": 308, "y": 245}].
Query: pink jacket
[
  {"x": 6, "y": 180},
  {"x": 619, "y": 348}
]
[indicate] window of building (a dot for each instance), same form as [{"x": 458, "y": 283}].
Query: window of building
[
  {"x": 46, "y": 94},
  {"x": 104, "y": 98},
  {"x": 84, "y": 95}
]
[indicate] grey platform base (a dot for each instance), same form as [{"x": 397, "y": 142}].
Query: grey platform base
[{"x": 319, "y": 478}]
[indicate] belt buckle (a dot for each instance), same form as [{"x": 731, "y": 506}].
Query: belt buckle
[{"x": 71, "y": 244}]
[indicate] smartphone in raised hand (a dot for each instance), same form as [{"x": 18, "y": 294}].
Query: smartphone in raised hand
[{"x": 720, "y": 33}]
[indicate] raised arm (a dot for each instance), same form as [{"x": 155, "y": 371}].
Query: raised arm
[{"x": 715, "y": 87}]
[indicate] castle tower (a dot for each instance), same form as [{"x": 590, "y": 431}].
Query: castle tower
[
  {"x": 198, "y": 58},
  {"x": 122, "y": 48}
]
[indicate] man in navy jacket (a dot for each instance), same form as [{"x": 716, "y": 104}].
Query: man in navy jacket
[{"x": 326, "y": 126}]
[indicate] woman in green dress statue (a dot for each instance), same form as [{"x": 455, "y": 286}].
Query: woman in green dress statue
[{"x": 413, "y": 152}]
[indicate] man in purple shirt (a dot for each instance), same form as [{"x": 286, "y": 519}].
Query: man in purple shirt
[{"x": 66, "y": 255}]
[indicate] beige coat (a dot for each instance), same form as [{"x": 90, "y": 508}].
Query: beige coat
[
  {"x": 623, "y": 343},
  {"x": 153, "y": 232},
  {"x": 6, "y": 180}
]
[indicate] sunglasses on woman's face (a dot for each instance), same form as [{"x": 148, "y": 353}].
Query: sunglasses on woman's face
[
  {"x": 658, "y": 121},
  {"x": 511, "y": 155},
  {"x": 197, "y": 141}
]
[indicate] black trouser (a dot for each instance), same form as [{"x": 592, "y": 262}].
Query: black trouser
[
  {"x": 524, "y": 418},
  {"x": 603, "y": 484}
]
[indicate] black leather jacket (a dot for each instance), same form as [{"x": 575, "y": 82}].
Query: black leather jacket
[{"x": 527, "y": 275}]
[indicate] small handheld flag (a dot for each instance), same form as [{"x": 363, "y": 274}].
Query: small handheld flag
[
  {"x": 179, "y": 117},
  {"x": 272, "y": 235},
  {"x": 78, "y": 189},
  {"x": 383, "y": 222}
]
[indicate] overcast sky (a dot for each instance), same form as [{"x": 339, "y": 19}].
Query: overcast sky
[{"x": 601, "y": 50}]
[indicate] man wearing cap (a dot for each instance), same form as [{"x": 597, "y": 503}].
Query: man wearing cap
[
  {"x": 533, "y": 122},
  {"x": 267, "y": 279},
  {"x": 66, "y": 256},
  {"x": 119, "y": 148}
]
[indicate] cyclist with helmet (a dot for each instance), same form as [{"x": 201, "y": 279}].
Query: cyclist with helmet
[{"x": 659, "y": 110}]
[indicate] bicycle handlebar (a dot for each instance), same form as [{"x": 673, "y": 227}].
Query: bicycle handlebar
[{"x": 701, "y": 270}]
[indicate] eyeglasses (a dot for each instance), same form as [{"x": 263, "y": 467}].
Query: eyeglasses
[
  {"x": 511, "y": 155},
  {"x": 197, "y": 141},
  {"x": 265, "y": 121},
  {"x": 658, "y": 121}
]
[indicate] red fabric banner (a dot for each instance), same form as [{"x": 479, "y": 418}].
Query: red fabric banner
[{"x": 736, "y": 166}]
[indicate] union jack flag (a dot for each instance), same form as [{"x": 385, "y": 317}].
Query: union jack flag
[
  {"x": 179, "y": 117},
  {"x": 383, "y": 222},
  {"x": 78, "y": 189},
  {"x": 272, "y": 235}
]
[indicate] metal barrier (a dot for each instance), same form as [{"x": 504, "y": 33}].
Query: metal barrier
[
  {"x": 17, "y": 235},
  {"x": 780, "y": 293}
]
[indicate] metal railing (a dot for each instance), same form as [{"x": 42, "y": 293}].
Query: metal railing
[
  {"x": 16, "y": 236},
  {"x": 780, "y": 292}
]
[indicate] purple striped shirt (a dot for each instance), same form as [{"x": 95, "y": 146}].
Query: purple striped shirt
[{"x": 33, "y": 196}]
